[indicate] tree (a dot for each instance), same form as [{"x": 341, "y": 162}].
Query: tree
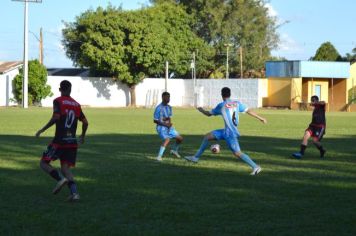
[
  {"x": 327, "y": 52},
  {"x": 131, "y": 45},
  {"x": 37, "y": 87},
  {"x": 242, "y": 23},
  {"x": 351, "y": 56}
]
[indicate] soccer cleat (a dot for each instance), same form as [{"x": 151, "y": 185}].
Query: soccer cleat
[
  {"x": 175, "y": 153},
  {"x": 192, "y": 159},
  {"x": 159, "y": 158},
  {"x": 59, "y": 185},
  {"x": 256, "y": 170},
  {"x": 74, "y": 197},
  {"x": 322, "y": 153},
  {"x": 297, "y": 155}
]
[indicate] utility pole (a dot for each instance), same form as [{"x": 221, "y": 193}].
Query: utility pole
[
  {"x": 227, "y": 45},
  {"x": 41, "y": 47},
  {"x": 40, "y": 43},
  {"x": 25, "y": 60},
  {"x": 25, "y": 53},
  {"x": 166, "y": 79},
  {"x": 241, "y": 71},
  {"x": 193, "y": 70}
]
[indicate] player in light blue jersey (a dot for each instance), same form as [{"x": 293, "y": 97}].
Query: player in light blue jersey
[
  {"x": 162, "y": 117},
  {"x": 229, "y": 110}
]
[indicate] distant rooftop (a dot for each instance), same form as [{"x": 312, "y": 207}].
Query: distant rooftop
[
  {"x": 67, "y": 72},
  {"x": 6, "y": 66},
  {"x": 308, "y": 69}
]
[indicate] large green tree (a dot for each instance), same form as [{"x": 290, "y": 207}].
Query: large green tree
[
  {"x": 242, "y": 23},
  {"x": 132, "y": 45},
  {"x": 327, "y": 52},
  {"x": 37, "y": 83}
]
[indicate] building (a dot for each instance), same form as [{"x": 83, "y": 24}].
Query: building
[
  {"x": 8, "y": 71},
  {"x": 292, "y": 83}
]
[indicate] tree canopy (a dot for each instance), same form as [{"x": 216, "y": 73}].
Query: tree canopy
[
  {"x": 132, "y": 45},
  {"x": 327, "y": 52},
  {"x": 241, "y": 23}
]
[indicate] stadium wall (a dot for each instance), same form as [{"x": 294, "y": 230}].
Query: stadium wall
[{"x": 104, "y": 92}]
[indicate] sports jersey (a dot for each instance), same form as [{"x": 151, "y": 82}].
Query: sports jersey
[
  {"x": 162, "y": 113},
  {"x": 319, "y": 115},
  {"x": 229, "y": 110},
  {"x": 69, "y": 112}
]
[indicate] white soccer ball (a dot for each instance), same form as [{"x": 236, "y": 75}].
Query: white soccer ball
[{"x": 215, "y": 148}]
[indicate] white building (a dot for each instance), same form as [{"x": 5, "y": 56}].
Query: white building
[{"x": 8, "y": 71}]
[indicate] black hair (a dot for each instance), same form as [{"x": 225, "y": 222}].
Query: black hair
[
  {"x": 225, "y": 92},
  {"x": 65, "y": 85},
  {"x": 165, "y": 94},
  {"x": 315, "y": 97}
]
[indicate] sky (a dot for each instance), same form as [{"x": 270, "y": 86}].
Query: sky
[{"x": 303, "y": 25}]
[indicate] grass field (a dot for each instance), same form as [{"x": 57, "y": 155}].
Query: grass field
[{"x": 125, "y": 191}]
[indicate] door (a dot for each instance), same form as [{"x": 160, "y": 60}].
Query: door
[{"x": 317, "y": 91}]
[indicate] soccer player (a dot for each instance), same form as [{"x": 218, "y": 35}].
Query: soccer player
[
  {"x": 66, "y": 113},
  {"x": 316, "y": 128},
  {"x": 229, "y": 110},
  {"x": 162, "y": 117}
]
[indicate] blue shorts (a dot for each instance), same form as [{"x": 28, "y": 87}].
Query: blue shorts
[
  {"x": 231, "y": 140},
  {"x": 165, "y": 133}
]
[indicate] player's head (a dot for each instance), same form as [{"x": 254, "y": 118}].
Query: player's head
[
  {"x": 166, "y": 97},
  {"x": 225, "y": 93},
  {"x": 314, "y": 99},
  {"x": 65, "y": 88}
]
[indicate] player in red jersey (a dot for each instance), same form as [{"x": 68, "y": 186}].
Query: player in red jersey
[
  {"x": 316, "y": 128},
  {"x": 66, "y": 113}
]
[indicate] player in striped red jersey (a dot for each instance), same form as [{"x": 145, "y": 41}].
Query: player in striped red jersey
[
  {"x": 315, "y": 130},
  {"x": 66, "y": 113}
]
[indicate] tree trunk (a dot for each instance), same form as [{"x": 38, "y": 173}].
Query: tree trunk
[{"x": 133, "y": 95}]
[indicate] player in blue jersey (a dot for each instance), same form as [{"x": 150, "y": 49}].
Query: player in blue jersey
[
  {"x": 162, "y": 117},
  {"x": 229, "y": 110}
]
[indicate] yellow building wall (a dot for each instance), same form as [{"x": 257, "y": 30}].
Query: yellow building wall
[
  {"x": 279, "y": 92},
  {"x": 308, "y": 89},
  {"x": 337, "y": 95},
  {"x": 296, "y": 93},
  {"x": 324, "y": 93},
  {"x": 351, "y": 83}
]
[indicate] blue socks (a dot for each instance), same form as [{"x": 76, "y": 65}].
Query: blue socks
[
  {"x": 248, "y": 160},
  {"x": 161, "y": 151},
  {"x": 202, "y": 148}
]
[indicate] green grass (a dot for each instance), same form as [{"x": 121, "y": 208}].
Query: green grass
[{"x": 125, "y": 192}]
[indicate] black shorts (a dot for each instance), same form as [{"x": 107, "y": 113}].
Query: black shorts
[
  {"x": 316, "y": 131},
  {"x": 63, "y": 153}
]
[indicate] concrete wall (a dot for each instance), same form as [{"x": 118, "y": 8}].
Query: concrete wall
[
  {"x": 6, "y": 94},
  {"x": 104, "y": 92}
]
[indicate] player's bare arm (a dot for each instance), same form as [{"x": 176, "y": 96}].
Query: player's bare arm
[
  {"x": 85, "y": 125},
  {"x": 51, "y": 122},
  {"x": 253, "y": 114},
  {"x": 205, "y": 112}
]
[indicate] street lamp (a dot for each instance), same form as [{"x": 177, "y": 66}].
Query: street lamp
[
  {"x": 25, "y": 53},
  {"x": 227, "y": 45}
]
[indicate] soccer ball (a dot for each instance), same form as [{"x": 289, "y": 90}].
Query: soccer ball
[{"x": 215, "y": 148}]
